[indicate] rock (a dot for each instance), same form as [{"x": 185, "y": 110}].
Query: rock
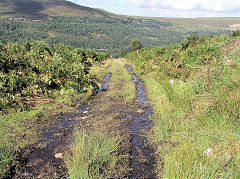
[
  {"x": 60, "y": 134},
  {"x": 208, "y": 152},
  {"x": 228, "y": 157},
  {"x": 140, "y": 111},
  {"x": 59, "y": 156},
  {"x": 85, "y": 117},
  {"x": 171, "y": 82}
]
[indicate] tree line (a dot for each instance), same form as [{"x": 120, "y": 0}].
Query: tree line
[{"x": 102, "y": 34}]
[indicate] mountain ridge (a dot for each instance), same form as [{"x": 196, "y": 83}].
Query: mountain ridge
[{"x": 46, "y": 8}]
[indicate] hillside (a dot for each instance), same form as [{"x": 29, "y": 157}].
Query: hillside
[
  {"x": 43, "y": 8},
  {"x": 202, "y": 24},
  {"x": 104, "y": 34},
  {"x": 61, "y": 21}
]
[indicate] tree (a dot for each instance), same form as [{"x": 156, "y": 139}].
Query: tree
[
  {"x": 236, "y": 33},
  {"x": 123, "y": 53},
  {"x": 135, "y": 45},
  {"x": 190, "y": 41}
]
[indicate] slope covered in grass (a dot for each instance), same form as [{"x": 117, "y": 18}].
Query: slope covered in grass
[
  {"x": 194, "y": 87},
  {"x": 44, "y": 8}
]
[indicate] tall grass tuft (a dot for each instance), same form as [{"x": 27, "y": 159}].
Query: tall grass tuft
[{"x": 93, "y": 155}]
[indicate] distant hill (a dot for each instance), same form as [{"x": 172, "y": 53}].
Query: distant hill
[
  {"x": 45, "y": 8},
  {"x": 89, "y": 28},
  {"x": 202, "y": 24}
]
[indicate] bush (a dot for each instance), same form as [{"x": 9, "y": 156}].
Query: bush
[
  {"x": 36, "y": 68},
  {"x": 135, "y": 45},
  {"x": 235, "y": 33}
]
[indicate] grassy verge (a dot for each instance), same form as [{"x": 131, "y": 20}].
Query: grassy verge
[
  {"x": 194, "y": 114},
  {"x": 187, "y": 124},
  {"x": 94, "y": 155}
]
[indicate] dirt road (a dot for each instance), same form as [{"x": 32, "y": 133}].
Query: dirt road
[{"x": 120, "y": 108}]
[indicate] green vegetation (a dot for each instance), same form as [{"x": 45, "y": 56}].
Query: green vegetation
[
  {"x": 200, "y": 24},
  {"x": 109, "y": 35},
  {"x": 135, "y": 45},
  {"x": 93, "y": 155},
  {"x": 236, "y": 33},
  {"x": 102, "y": 34},
  {"x": 37, "y": 69},
  {"x": 194, "y": 88},
  {"x": 60, "y": 21}
]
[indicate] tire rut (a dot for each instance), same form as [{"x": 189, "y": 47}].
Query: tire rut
[{"x": 142, "y": 154}]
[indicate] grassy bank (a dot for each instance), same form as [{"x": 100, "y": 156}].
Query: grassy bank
[{"x": 194, "y": 88}]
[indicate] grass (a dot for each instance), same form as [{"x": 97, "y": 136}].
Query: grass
[
  {"x": 15, "y": 131},
  {"x": 187, "y": 124},
  {"x": 93, "y": 155},
  {"x": 194, "y": 114}
]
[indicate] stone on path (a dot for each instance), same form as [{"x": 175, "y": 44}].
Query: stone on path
[
  {"x": 208, "y": 152},
  {"x": 59, "y": 156},
  {"x": 85, "y": 117},
  {"x": 171, "y": 82},
  {"x": 140, "y": 111}
]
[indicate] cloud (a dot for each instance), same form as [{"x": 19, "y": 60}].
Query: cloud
[
  {"x": 197, "y": 5},
  {"x": 168, "y": 8}
]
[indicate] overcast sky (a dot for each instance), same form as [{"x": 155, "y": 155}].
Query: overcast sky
[{"x": 168, "y": 8}]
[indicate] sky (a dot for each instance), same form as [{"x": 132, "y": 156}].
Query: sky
[{"x": 167, "y": 8}]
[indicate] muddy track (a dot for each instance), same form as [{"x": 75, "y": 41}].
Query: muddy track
[
  {"x": 130, "y": 120},
  {"x": 142, "y": 154},
  {"x": 40, "y": 162}
]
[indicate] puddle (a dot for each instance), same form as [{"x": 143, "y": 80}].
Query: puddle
[
  {"x": 56, "y": 140},
  {"x": 142, "y": 155},
  {"x": 105, "y": 84}
]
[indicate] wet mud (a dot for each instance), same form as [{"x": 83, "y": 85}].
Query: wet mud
[
  {"x": 41, "y": 161},
  {"x": 142, "y": 154},
  {"x": 105, "y": 83}
]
